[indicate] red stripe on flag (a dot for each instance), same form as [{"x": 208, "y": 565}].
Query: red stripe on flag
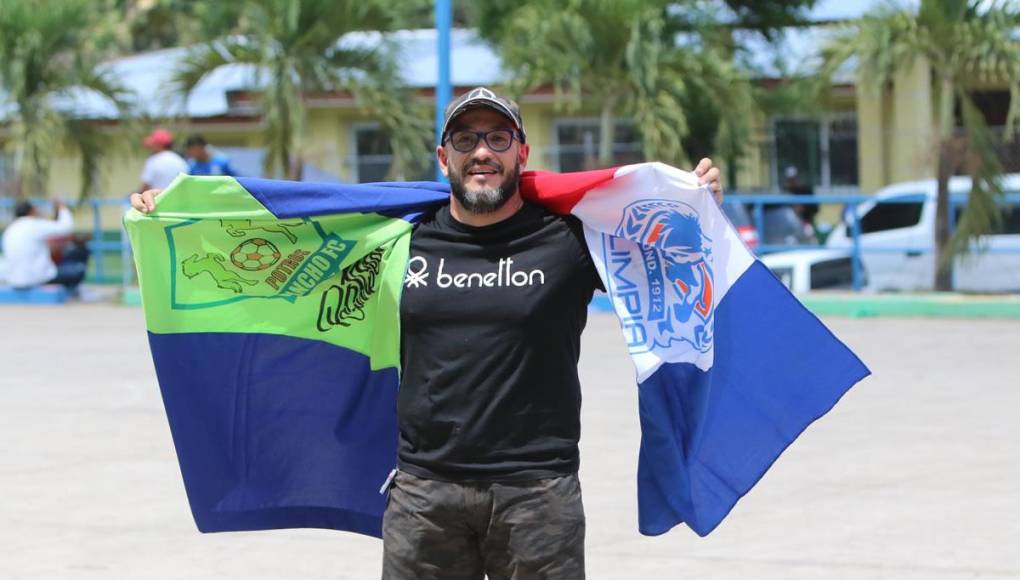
[
  {"x": 560, "y": 192},
  {"x": 655, "y": 234}
]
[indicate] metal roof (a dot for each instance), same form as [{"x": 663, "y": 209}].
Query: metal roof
[
  {"x": 473, "y": 63},
  {"x": 149, "y": 75}
]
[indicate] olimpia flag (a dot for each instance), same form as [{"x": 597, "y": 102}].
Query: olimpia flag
[{"x": 272, "y": 311}]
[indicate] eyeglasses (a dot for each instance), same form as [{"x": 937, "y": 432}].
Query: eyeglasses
[{"x": 498, "y": 140}]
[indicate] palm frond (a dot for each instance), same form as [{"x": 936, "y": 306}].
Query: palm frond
[
  {"x": 982, "y": 214},
  {"x": 407, "y": 124},
  {"x": 202, "y": 60},
  {"x": 47, "y": 52},
  {"x": 656, "y": 99},
  {"x": 558, "y": 50}
]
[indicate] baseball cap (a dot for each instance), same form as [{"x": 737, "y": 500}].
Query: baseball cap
[
  {"x": 159, "y": 137},
  {"x": 483, "y": 97}
]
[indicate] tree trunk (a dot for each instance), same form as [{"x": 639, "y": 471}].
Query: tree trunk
[
  {"x": 943, "y": 262},
  {"x": 607, "y": 131},
  {"x": 945, "y": 124},
  {"x": 297, "y": 169},
  {"x": 286, "y": 138},
  {"x": 286, "y": 130}
]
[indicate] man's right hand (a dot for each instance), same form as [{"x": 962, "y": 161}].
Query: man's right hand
[{"x": 145, "y": 202}]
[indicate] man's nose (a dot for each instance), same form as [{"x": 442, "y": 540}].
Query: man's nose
[{"x": 482, "y": 152}]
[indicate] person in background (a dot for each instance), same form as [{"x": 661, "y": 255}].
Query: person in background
[
  {"x": 202, "y": 160},
  {"x": 26, "y": 249},
  {"x": 794, "y": 185},
  {"x": 164, "y": 164}
]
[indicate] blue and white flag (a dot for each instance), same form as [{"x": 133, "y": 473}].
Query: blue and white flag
[{"x": 731, "y": 368}]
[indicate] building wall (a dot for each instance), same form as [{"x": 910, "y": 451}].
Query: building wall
[
  {"x": 897, "y": 138},
  {"x": 893, "y": 140}
]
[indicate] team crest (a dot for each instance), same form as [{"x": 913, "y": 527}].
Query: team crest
[
  {"x": 217, "y": 262},
  {"x": 659, "y": 265}
]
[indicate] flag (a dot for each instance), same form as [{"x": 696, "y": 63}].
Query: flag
[
  {"x": 273, "y": 320},
  {"x": 731, "y": 368}
]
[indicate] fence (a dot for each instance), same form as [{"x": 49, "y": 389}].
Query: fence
[
  {"x": 112, "y": 261},
  {"x": 852, "y": 203}
]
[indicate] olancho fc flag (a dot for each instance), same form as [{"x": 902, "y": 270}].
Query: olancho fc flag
[{"x": 273, "y": 319}]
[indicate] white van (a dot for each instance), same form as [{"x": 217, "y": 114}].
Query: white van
[
  {"x": 912, "y": 225},
  {"x": 806, "y": 270}
]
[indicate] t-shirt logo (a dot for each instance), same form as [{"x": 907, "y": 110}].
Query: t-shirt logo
[
  {"x": 417, "y": 274},
  {"x": 505, "y": 275}
]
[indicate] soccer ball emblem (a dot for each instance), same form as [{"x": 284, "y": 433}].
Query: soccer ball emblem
[{"x": 255, "y": 254}]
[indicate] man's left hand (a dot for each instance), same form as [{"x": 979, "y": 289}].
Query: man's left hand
[{"x": 709, "y": 175}]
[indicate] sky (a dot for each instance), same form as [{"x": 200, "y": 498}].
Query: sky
[{"x": 833, "y": 9}]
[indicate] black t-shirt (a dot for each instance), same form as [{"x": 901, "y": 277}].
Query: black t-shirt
[{"x": 491, "y": 321}]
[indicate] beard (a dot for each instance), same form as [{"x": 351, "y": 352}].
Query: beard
[{"x": 486, "y": 199}]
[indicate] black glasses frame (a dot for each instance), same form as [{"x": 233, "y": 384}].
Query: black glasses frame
[{"x": 479, "y": 137}]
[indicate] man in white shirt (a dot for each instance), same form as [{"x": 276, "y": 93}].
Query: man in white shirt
[
  {"x": 26, "y": 249},
  {"x": 164, "y": 164}
]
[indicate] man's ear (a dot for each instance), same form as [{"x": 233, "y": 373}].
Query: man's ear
[
  {"x": 443, "y": 160},
  {"x": 522, "y": 154}
]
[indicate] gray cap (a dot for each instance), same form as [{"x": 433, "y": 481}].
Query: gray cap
[{"x": 483, "y": 97}]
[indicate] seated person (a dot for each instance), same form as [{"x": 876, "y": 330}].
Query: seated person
[{"x": 26, "y": 249}]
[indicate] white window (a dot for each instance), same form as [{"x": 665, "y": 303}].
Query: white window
[
  {"x": 576, "y": 145},
  {"x": 822, "y": 150},
  {"x": 372, "y": 156}
]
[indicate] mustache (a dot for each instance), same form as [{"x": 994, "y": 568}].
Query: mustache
[{"x": 475, "y": 163}]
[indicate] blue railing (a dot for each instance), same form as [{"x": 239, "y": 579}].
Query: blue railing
[
  {"x": 758, "y": 202},
  {"x": 101, "y": 247}
]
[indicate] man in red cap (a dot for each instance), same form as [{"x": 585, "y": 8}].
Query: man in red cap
[{"x": 164, "y": 164}]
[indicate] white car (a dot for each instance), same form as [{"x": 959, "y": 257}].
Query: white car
[
  {"x": 886, "y": 226},
  {"x": 805, "y": 270}
]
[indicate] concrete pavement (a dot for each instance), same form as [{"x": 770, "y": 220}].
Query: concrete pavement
[{"x": 914, "y": 475}]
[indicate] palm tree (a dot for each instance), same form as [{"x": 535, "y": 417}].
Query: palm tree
[
  {"x": 49, "y": 54},
  {"x": 295, "y": 48},
  {"x": 619, "y": 56},
  {"x": 966, "y": 43}
]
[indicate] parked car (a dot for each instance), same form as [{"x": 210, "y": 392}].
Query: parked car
[
  {"x": 783, "y": 227},
  {"x": 741, "y": 220},
  {"x": 910, "y": 225},
  {"x": 804, "y": 270}
]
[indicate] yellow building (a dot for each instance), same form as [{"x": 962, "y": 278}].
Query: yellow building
[{"x": 862, "y": 142}]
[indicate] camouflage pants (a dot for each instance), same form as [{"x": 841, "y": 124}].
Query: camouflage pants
[{"x": 437, "y": 530}]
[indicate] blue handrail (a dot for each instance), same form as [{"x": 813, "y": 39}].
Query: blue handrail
[{"x": 757, "y": 201}]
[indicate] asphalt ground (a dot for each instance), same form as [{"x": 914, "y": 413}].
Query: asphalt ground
[{"x": 914, "y": 475}]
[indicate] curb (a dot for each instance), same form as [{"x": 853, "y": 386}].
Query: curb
[
  {"x": 934, "y": 305},
  {"x": 131, "y": 296}
]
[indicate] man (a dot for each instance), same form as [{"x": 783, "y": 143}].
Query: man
[
  {"x": 794, "y": 185},
  {"x": 489, "y": 399},
  {"x": 26, "y": 249},
  {"x": 202, "y": 161},
  {"x": 164, "y": 165}
]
